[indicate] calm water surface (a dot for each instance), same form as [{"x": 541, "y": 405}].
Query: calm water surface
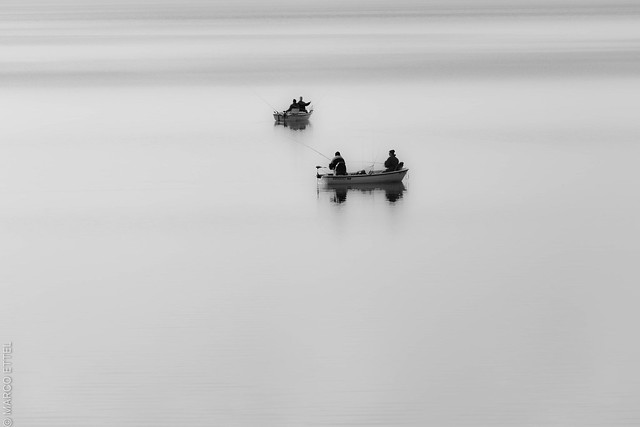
[{"x": 168, "y": 258}]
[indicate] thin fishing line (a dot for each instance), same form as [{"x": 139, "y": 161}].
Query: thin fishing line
[
  {"x": 263, "y": 100},
  {"x": 309, "y": 147}
]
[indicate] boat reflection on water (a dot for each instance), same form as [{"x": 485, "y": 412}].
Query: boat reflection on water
[
  {"x": 293, "y": 124},
  {"x": 393, "y": 191}
]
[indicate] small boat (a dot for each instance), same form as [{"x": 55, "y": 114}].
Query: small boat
[
  {"x": 293, "y": 115},
  {"x": 362, "y": 177}
]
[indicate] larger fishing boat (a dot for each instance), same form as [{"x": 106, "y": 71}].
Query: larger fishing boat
[{"x": 362, "y": 177}]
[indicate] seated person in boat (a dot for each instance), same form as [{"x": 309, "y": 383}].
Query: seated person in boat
[
  {"x": 392, "y": 162},
  {"x": 293, "y": 108},
  {"x": 338, "y": 164},
  {"x": 303, "y": 105}
]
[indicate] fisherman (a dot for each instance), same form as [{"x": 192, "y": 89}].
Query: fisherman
[
  {"x": 338, "y": 164},
  {"x": 303, "y": 105},
  {"x": 294, "y": 105},
  {"x": 392, "y": 162}
]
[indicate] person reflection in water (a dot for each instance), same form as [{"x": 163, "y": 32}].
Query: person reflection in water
[
  {"x": 340, "y": 195},
  {"x": 394, "y": 194},
  {"x": 392, "y": 162},
  {"x": 338, "y": 165},
  {"x": 303, "y": 105}
]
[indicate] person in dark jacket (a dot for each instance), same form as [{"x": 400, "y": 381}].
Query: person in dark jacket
[
  {"x": 303, "y": 105},
  {"x": 294, "y": 105},
  {"x": 338, "y": 164},
  {"x": 392, "y": 162}
]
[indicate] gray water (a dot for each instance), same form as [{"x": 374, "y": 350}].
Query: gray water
[{"x": 168, "y": 258}]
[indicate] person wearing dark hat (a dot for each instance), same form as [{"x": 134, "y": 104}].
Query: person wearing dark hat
[
  {"x": 392, "y": 162},
  {"x": 337, "y": 164}
]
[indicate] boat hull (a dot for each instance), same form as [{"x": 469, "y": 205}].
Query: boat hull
[
  {"x": 376, "y": 177},
  {"x": 281, "y": 116}
]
